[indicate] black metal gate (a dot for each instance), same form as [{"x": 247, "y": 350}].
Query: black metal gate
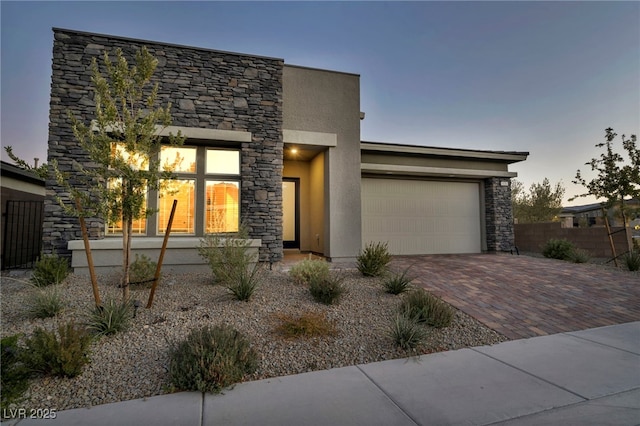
[{"x": 22, "y": 234}]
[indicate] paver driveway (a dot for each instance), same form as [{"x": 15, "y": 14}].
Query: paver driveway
[{"x": 522, "y": 296}]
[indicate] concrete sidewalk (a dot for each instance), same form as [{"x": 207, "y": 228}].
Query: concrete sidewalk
[{"x": 589, "y": 377}]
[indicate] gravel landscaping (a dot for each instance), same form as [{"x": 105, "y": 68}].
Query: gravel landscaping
[{"x": 134, "y": 364}]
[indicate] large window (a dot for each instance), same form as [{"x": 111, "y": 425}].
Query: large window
[{"x": 207, "y": 188}]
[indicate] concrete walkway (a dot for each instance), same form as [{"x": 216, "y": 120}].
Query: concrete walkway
[{"x": 589, "y": 377}]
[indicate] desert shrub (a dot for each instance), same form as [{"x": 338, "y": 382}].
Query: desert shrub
[
  {"x": 632, "y": 260},
  {"x": 45, "y": 302},
  {"x": 232, "y": 261},
  {"x": 397, "y": 283},
  {"x": 15, "y": 374},
  {"x": 303, "y": 272},
  {"x": 373, "y": 260},
  {"x": 580, "y": 256},
  {"x": 49, "y": 269},
  {"x": 110, "y": 318},
  {"x": 309, "y": 324},
  {"x": 558, "y": 249},
  {"x": 327, "y": 290},
  {"x": 407, "y": 332},
  {"x": 60, "y": 354},
  {"x": 142, "y": 270},
  {"x": 210, "y": 359},
  {"x": 425, "y": 307}
]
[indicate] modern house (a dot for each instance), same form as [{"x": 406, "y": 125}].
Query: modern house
[{"x": 278, "y": 147}]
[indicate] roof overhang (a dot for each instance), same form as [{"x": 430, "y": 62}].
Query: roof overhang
[{"x": 402, "y": 170}]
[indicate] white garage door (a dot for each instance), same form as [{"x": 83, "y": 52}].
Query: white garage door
[{"x": 422, "y": 217}]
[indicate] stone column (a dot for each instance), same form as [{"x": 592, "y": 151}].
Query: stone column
[{"x": 499, "y": 214}]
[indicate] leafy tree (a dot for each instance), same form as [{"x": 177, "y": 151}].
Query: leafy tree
[
  {"x": 616, "y": 179},
  {"x": 123, "y": 145},
  {"x": 41, "y": 171},
  {"x": 541, "y": 204}
]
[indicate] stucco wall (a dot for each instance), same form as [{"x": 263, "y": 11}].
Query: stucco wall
[
  {"x": 209, "y": 90},
  {"x": 329, "y": 102}
]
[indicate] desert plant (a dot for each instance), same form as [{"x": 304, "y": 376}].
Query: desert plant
[
  {"x": 303, "y": 272},
  {"x": 397, "y": 283},
  {"x": 110, "y": 318},
  {"x": 15, "y": 374},
  {"x": 580, "y": 256},
  {"x": 309, "y": 324},
  {"x": 246, "y": 282},
  {"x": 425, "y": 307},
  {"x": 49, "y": 269},
  {"x": 373, "y": 260},
  {"x": 142, "y": 270},
  {"x": 60, "y": 354},
  {"x": 406, "y": 331},
  {"x": 45, "y": 302},
  {"x": 558, "y": 249},
  {"x": 210, "y": 359},
  {"x": 632, "y": 260},
  {"x": 327, "y": 290}
]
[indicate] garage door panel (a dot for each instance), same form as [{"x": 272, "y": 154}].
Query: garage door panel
[{"x": 422, "y": 217}]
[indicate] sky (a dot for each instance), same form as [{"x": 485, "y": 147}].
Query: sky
[{"x": 543, "y": 77}]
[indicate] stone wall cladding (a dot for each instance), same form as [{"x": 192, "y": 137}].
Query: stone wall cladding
[
  {"x": 207, "y": 89},
  {"x": 499, "y": 215}
]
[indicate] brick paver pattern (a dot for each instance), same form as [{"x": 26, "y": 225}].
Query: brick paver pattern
[{"x": 523, "y": 296}]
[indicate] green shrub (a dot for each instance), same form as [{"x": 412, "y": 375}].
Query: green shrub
[
  {"x": 407, "y": 332},
  {"x": 15, "y": 375},
  {"x": 59, "y": 354},
  {"x": 397, "y": 283},
  {"x": 425, "y": 307},
  {"x": 303, "y": 272},
  {"x": 309, "y": 324},
  {"x": 45, "y": 302},
  {"x": 210, "y": 359},
  {"x": 373, "y": 260},
  {"x": 558, "y": 249},
  {"x": 232, "y": 262},
  {"x": 580, "y": 256},
  {"x": 110, "y": 318},
  {"x": 49, "y": 269},
  {"x": 632, "y": 260},
  {"x": 142, "y": 270},
  {"x": 327, "y": 290}
]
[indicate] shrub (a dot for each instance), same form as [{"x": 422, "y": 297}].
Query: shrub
[
  {"x": 580, "y": 256},
  {"x": 406, "y": 331},
  {"x": 15, "y": 375},
  {"x": 49, "y": 269},
  {"x": 425, "y": 307},
  {"x": 45, "y": 302},
  {"x": 397, "y": 283},
  {"x": 110, "y": 318},
  {"x": 59, "y": 354},
  {"x": 303, "y": 272},
  {"x": 306, "y": 325},
  {"x": 210, "y": 359},
  {"x": 558, "y": 249},
  {"x": 327, "y": 290},
  {"x": 373, "y": 260},
  {"x": 142, "y": 270},
  {"x": 632, "y": 260},
  {"x": 232, "y": 262}
]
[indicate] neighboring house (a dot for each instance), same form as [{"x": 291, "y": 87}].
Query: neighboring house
[
  {"x": 278, "y": 147},
  {"x": 592, "y": 214},
  {"x": 22, "y": 200}
]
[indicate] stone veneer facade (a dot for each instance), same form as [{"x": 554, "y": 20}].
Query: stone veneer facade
[
  {"x": 499, "y": 214},
  {"x": 208, "y": 89}
]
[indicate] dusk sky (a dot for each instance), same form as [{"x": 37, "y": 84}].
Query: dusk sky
[{"x": 543, "y": 77}]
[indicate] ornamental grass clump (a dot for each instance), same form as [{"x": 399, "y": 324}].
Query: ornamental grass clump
[
  {"x": 632, "y": 260},
  {"x": 210, "y": 359},
  {"x": 327, "y": 290},
  {"x": 397, "y": 283},
  {"x": 59, "y": 354},
  {"x": 49, "y": 269},
  {"x": 304, "y": 271},
  {"x": 309, "y": 324},
  {"x": 45, "y": 302},
  {"x": 580, "y": 256},
  {"x": 374, "y": 259},
  {"x": 426, "y": 308},
  {"x": 558, "y": 249},
  {"x": 407, "y": 332},
  {"x": 110, "y": 318}
]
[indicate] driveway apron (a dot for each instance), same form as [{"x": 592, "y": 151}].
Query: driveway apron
[{"x": 523, "y": 296}]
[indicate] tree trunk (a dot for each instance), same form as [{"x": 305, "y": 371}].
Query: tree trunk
[{"x": 127, "y": 224}]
